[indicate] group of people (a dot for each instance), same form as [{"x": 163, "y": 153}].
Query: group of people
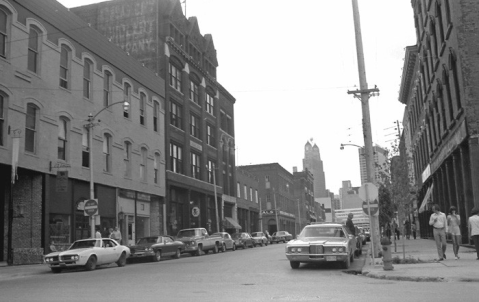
[
  {"x": 114, "y": 234},
  {"x": 409, "y": 228},
  {"x": 451, "y": 224}
]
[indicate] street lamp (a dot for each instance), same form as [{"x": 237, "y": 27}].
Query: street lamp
[{"x": 90, "y": 125}]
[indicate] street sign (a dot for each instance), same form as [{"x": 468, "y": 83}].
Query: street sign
[
  {"x": 195, "y": 211},
  {"x": 368, "y": 191},
  {"x": 373, "y": 206},
  {"x": 91, "y": 207}
]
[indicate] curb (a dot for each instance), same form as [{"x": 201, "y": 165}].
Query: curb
[{"x": 402, "y": 278}]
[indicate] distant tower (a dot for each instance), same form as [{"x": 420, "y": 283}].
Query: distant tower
[{"x": 312, "y": 161}]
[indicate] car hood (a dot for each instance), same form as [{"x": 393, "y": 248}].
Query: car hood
[
  {"x": 141, "y": 246},
  {"x": 322, "y": 241},
  {"x": 68, "y": 252},
  {"x": 188, "y": 238}
]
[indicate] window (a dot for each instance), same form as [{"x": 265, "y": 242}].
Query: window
[
  {"x": 195, "y": 166},
  {"x": 2, "y": 116},
  {"x": 210, "y": 104},
  {"x": 175, "y": 77},
  {"x": 143, "y": 162},
  {"x": 211, "y": 171},
  {"x": 238, "y": 190},
  {"x": 142, "y": 108},
  {"x": 251, "y": 194},
  {"x": 245, "y": 192},
  {"x": 107, "y": 152},
  {"x": 194, "y": 92},
  {"x": 126, "y": 98},
  {"x": 86, "y": 147},
  {"x": 87, "y": 76},
  {"x": 156, "y": 113},
  {"x": 177, "y": 36},
  {"x": 64, "y": 66},
  {"x": 256, "y": 195},
  {"x": 33, "y": 50},
  {"x": 210, "y": 135},
  {"x": 62, "y": 138},
  {"x": 176, "y": 158},
  {"x": 127, "y": 159},
  {"x": 156, "y": 167},
  {"x": 107, "y": 81},
  {"x": 195, "y": 126},
  {"x": 175, "y": 115},
  {"x": 3, "y": 33},
  {"x": 31, "y": 128}
]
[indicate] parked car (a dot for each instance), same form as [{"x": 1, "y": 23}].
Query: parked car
[
  {"x": 259, "y": 238},
  {"x": 197, "y": 241},
  {"x": 88, "y": 253},
  {"x": 243, "y": 240},
  {"x": 229, "y": 243},
  {"x": 156, "y": 247},
  {"x": 328, "y": 242},
  {"x": 281, "y": 236}
]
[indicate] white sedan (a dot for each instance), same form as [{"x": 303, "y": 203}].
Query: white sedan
[{"x": 88, "y": 253}]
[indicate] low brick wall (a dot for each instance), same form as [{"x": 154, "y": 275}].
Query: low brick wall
[{"x": 27, "y": 256}]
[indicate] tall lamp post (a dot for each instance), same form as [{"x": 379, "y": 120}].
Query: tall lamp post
[{"x": 90, "y": 125}]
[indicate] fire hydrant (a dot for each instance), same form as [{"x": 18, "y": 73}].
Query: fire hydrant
[{"x": 387, "y": 258}]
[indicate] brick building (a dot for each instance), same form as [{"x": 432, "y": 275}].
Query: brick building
[
  {"x": 304, "y": 195},
  {"x": 312, "y": 161},
  {"x": 247, "y": 200},
  {"x": 55, "y": 70},
  {"x": 442, "y": 100},
  {"x": 200, "y": 114}
]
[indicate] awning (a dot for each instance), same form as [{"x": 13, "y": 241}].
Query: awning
[
  {"x": 426, "y": 197},
  {"x": 232, "y": 224}
]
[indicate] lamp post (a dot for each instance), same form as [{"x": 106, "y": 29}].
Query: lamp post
[{"x": 90, "y": 125}]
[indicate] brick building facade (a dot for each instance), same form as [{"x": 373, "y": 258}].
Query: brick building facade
[{"x": 55, "y": 71}]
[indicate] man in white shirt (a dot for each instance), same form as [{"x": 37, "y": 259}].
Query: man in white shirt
[{"x": 439, "y": 222}]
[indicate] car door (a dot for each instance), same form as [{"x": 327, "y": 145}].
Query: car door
[
  {"x": 111, "y": 251},
  {"x": 169, "y": 247}
]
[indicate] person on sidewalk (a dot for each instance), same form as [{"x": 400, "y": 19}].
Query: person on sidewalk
[
  {"x": 395, "y": 228},
  {"x": 453, "y": 224},
  {"x": 116, "y": 235},
  {"x": 413, "y": 229},
  {"x": 407, "y": 226},
  {"x": 350, "y": 224},
  {"x": 439, "y": 222},
  {"x": 473, "y": 227}
]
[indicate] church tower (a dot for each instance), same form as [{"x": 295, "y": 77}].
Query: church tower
[{"x": 312, "y": 161}]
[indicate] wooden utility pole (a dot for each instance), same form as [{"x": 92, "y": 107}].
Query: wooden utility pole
[{"x": 363, "y": 95}]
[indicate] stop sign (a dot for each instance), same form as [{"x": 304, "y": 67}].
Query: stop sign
[{"x": 91, "y": 207}]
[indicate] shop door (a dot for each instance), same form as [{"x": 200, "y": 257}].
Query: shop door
[{"x": 130, "y": 230}]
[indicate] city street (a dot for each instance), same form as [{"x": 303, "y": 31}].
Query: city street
[{"x": 255, "y": 274}]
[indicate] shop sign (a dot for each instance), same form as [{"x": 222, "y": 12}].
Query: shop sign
[
  {"x": 62, "y": 181},
  {"x": 127, "y": 194},
  {"x": 143, "y": 197}
]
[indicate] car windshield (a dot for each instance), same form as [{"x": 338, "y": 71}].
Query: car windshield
[
  {"x": 236, "y": 236},
  {"x": 322, "y": 232},
  {"x": 188, "y": 233},
  {"x": 83, "y": 244},
  {"x": 256, "y": 234},
  {"x": 147, "y": 240}
]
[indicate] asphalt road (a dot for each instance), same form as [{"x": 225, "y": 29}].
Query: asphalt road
[{"x": 255, "y": 274}]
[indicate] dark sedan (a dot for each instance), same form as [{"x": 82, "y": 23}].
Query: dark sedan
[
  {"x": 156, "y": 247},
  {"x": 243, "y": 240}
]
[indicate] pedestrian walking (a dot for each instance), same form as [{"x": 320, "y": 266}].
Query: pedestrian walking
[
  {"x": 395, "y": 229},
  {"x": 413, "y": 230},
  {"x": 97, "y": 234},
  {"x": 116, "y": 235},
  {"x": 407, "y": 226},
  {"x": 388, "y": 230},
  {"x": 438, "y": 221},
  {"x": 473, "y": 227},
  {"x": 454, "y": 227}
]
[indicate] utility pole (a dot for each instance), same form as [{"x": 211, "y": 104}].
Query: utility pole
[{"x": 363, "y": 95}]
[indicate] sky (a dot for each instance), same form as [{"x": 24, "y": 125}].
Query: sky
[{"x": 289, "y": 65}]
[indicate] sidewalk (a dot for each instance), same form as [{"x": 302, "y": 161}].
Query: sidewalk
[
  {"x": 20, "y": 271},
  {"x": 427, "y": 268}
]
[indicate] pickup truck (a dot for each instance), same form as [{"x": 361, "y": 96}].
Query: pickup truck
[{"x": 197, "y": 241}]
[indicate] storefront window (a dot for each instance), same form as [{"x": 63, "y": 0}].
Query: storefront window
[
  {"x": 60, "y": 230},
  {"x": 142, "y": 227}
]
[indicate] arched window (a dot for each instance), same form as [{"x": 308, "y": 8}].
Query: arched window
[
  {"x": 107, "y": 152},
  {"x": 31, "y": 128},
  {"x": 142, "y": 108},
  {"x": 4, "y": 18},
  {"x": 143, "y": 164},
  {"x": 33, "y": 49},
  {"x": 156, "y": 168},
  {"x": 62, "y": 138},
  {"x": 107, "y": 84},
  {"x": 156, "y": 115},
  {"x": 87, "y": 78},
  {"x": 127, "y": 99},
  {"x": 127, "y": 159},
  {"x": 65, "y": 58}
]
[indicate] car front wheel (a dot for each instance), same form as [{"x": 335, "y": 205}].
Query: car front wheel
[
  {"x": 157, "y": 256},
  {"x": 199, "y": 251},
  {"x": 91, "y": 263},
  {"x": 215, "y": 249},
  {"x": 177, "y": 254},
  {"x": 223, "y": 248},
  {"x": 294, "y": 264},
  {"x": 122, "y": 261},
  {"x": 234, "y": 247}
]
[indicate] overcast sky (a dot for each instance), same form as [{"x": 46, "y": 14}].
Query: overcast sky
[{"x": 289, "y": 64}]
